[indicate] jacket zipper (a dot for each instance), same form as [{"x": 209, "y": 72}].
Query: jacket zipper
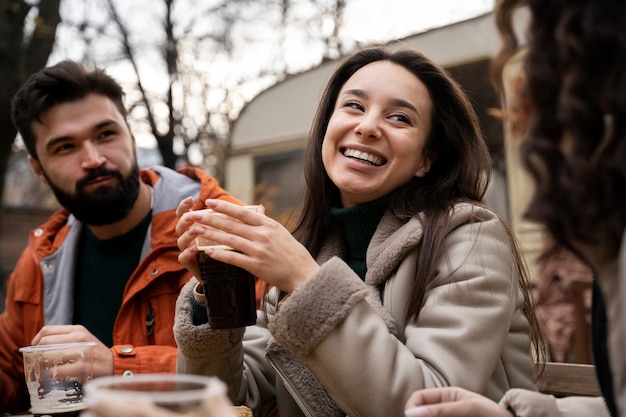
[{"x": 289, "y": 387}]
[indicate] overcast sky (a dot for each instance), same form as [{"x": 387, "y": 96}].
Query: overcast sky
[
  {"x": 365, "y": 21},
  {"x": 380, "y": 19}
]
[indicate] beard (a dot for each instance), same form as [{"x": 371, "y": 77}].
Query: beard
[{"x": 104, "y": 205}]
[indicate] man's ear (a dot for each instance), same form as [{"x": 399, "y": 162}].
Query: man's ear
[
  {"x": 37, "y": 170},
  {"x": 132, "y": 134}
]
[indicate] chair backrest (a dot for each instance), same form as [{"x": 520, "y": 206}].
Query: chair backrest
[
  {"x": 582, "y": 333},
  {"x": 565, "y": 379}
]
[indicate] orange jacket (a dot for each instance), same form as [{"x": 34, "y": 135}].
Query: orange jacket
[{"x": 153, "y": 286}]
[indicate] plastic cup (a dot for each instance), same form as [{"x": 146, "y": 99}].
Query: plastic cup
[
  {"x": 181, "y": 393},
  {"x": 55, "y": 375},
  {"x": 229, "y": 290}
]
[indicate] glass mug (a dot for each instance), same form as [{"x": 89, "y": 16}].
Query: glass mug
[
  {"x": 186, "y": 394},
  {"x": 229, "y": 290}
]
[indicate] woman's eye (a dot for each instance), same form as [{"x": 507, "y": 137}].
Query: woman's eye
[
  {"x": 353, "y": 105},
  {"x": 402, "y": 118}
]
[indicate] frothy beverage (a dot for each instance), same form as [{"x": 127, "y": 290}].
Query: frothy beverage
[
  {"x": 55, "y": 377},
  {"x": 63, "y": 397}
]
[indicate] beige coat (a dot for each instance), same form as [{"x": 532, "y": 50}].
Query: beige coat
[{"x": 338, "y": 350}]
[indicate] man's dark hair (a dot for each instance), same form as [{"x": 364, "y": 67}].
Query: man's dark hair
[{"x": 64, "y": 82}]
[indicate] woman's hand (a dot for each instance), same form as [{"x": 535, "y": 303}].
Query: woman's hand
[
  {"x": 451, "y": 402},
  {"x": 262, "y": 246},
  {"x": 186, "y": 242}
]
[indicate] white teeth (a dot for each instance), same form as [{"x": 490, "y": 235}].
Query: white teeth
[{"x": 372, "y": 159}]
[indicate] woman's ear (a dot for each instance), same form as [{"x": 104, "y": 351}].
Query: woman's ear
[{"x": 425, "y": 166}]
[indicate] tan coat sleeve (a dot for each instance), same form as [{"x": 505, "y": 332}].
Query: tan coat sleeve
[
  {"x": 533, "y": 404},
  {"x": 204, "y": 351}
]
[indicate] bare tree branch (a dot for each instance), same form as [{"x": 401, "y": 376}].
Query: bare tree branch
[{"x": 203, "y": 63}]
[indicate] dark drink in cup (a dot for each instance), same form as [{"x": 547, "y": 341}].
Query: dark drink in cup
[
  {"x": 229, "y": 290},
  {"x": 183, "y": 394},
  {"x": 230, "y": 293},
  {"x": 61, "y": 414}
]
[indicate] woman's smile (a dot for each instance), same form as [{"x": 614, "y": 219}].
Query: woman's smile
[{"x": 364, "y": 157}]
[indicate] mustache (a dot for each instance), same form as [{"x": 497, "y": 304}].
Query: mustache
[{"x": 98, "y": 172}]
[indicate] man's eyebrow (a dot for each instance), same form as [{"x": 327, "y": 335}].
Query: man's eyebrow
[
  {"x": 52, "y": 142},
  {"x": 59, "y": 139},
  {"x": 395, "y": 102},
  {"x": 105, "y": 123}
]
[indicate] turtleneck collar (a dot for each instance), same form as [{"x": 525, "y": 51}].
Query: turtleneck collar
[{"x": 359, "y": 224}]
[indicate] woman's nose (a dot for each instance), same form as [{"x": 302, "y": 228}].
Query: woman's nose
[{"x": 368, "y": 126}]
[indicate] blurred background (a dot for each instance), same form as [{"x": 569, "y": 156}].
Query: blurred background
[
  {"x": 191, "y": 69},
  {"x": 232, "y": 85}
]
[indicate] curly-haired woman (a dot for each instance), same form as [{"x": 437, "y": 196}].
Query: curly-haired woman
[{"x": 571, "y": 107}]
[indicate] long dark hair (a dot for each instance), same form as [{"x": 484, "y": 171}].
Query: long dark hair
[
  {"x": 460, "y": 170},
  {"x": 574, "y": 87}
]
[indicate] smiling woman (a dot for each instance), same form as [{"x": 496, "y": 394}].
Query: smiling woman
[
  {"x": 376, "y": 136},
  {"x": 397, "y": 276}
]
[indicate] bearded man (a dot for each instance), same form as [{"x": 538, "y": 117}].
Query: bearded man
[{"x": 105, "y": 267}]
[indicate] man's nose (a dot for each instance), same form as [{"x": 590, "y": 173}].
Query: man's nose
[{"x": 91, "y": 156}]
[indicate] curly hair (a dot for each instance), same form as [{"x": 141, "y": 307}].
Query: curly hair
[{"x": 575, "y": 88}]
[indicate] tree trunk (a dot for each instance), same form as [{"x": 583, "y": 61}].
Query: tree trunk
[{"x": 21, "y": 55}]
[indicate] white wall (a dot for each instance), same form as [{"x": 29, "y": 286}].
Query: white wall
[
  {"x": 284, "y": 112},
  {"x": 278, "y": 119}
]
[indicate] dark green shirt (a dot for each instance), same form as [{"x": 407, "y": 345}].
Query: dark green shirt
[
  {"x": 104, "y": 267},
  {"x": 359, "y": 224}
]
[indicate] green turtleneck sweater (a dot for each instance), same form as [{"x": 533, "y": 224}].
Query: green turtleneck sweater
[{"x": 359, "y": 224}]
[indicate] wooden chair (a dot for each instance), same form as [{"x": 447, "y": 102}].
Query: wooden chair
[
  {"x": 565, "y": 379},
  {"x": 581, "y": 344}
]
